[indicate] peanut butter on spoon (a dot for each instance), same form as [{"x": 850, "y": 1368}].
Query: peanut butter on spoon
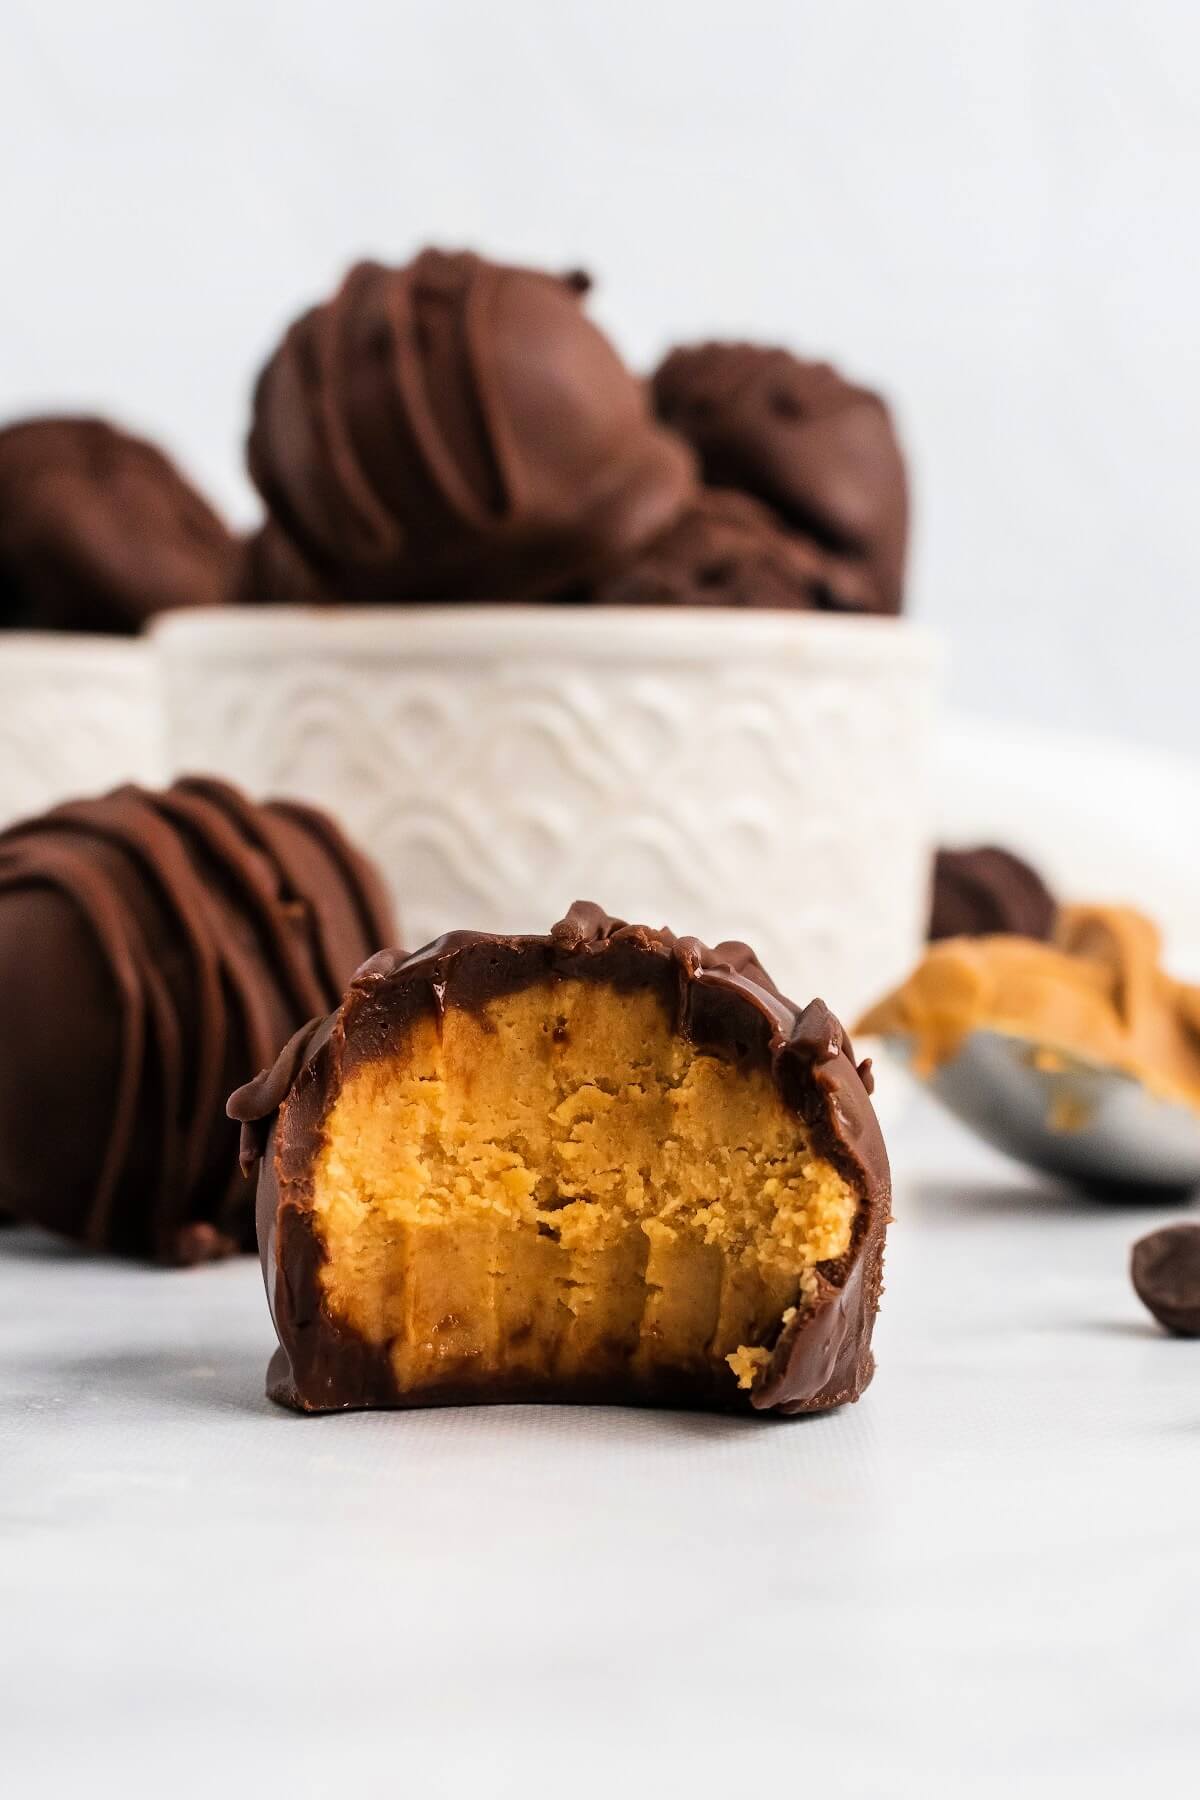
[{"x": 1097, "y": 993}]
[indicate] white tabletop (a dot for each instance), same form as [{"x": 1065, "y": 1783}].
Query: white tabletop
[{"x": 983, "y": 1580}]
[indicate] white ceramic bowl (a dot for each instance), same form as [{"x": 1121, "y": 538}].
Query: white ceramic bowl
[
  {"x": 733, "y": 774},
  {"x": 78, "y": 715}
]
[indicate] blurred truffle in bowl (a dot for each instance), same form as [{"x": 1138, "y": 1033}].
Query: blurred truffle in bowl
[
  {"x": 99, "y": 531},
  {"x": 155, "y": 947},
  {"x": 456, "y": 429},
  {"x": 727, "y": 549},
  {"x": 820, "y": 451},
  {"x": 270, "y": 570}
]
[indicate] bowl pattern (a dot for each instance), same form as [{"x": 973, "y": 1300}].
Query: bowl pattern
[
  {"x": 77, "y": 715},
  {"x": 765, "y": 785}
]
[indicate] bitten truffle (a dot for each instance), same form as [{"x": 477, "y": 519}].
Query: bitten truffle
[
  {"x": 727, "y": 550},
  {"x": 456, "y": 429},
  {"x": 606, "y": 1165},
  {"x": 155, "y": 948},
  {"x": 980, "y": 892},
  {"x": 99, "y": 531},
  {"x": 819, "y": 451}
]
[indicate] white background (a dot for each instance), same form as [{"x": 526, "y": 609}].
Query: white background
[{"x": 990, "y": 209}]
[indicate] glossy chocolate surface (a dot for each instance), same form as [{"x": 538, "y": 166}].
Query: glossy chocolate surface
[
  {"x": 728, "y": 550},
  {"x": 154, "y": 947}
]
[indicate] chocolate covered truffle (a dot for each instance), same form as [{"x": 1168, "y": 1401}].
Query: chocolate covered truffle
[
  {"x": 1165, "y": 1270},
  {"x": 980, "y": 892},
  {"x": 607, "y": 1164},
  {"x": 726, "y": 550},
  {"x": 819, "y": 451},
  {"x": 271, "y": 571},
  {"x": 155, "y": 948},
  {"x": 99, "y": 531},
  {"x": 458, "y": 429}
]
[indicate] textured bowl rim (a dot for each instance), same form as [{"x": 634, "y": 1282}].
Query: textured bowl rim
[
  {"x": 56, "y": 652},
  {"x": 592, "y": 633}
]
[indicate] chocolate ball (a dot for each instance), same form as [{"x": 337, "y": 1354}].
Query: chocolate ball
[
  {"x": 271, "y": 570},
  {"x": 819, "y": 451},
  {"x": 156, "y": 947},
  {"x": 1165, "y": 1269},
  {"x": 99, "y": 531},
  {"x": 985, "y": 891},
  {"x": 726, "y": 550},
  {"x": 457, "y": 429}
]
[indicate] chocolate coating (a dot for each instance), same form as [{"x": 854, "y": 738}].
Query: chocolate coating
[
  {"x": 821, "y": 452},
  {"x": 987, "y": 890},
  {"x": 1165, "y": 1270},
  {"x": 728, "y": 550},
  {"x": 720, "y": 999},
  {"x": 154, "y": 947},
  {"x": 99, "y": 531},
  {"x": 457, "y": 429},
  {"x": 271, "y": 571}
]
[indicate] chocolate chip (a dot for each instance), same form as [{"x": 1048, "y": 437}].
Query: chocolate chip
[{"x": 1165, "y": 1268}]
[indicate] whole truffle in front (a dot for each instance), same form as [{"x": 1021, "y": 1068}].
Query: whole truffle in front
[
  {"x": 99, "y": 531},
  {"x": 156, "y": 947},
  {"x": 821, "y": 452},
  {"x": 607, "y": 1164},
  {"x": 457, "y": 429}
]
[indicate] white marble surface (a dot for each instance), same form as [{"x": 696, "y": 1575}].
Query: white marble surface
[{"x": 982, "y": 1580}]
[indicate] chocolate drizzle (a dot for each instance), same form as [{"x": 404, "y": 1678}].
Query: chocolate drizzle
[
  {"x": 452, "y": 429},
  {"x": 153, "y": 948},
  {"x": 721, "y": 999}
]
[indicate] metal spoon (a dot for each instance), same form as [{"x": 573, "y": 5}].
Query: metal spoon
[{"x": 1090, "y": 1123}]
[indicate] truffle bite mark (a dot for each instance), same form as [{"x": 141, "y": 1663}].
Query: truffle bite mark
[{"x": 608, "y": 1164}]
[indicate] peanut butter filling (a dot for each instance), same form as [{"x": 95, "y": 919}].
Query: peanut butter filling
[
  {"x": 1097, "y": 993},
  {"x": 558, "y": 1188}
]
